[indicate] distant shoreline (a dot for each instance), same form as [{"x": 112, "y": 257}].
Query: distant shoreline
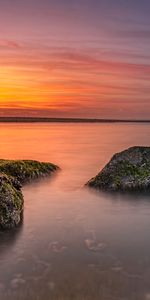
[{"x": 66, "y": 120}]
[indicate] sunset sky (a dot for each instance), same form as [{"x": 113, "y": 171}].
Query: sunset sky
[{"x": 75, "y": 58}]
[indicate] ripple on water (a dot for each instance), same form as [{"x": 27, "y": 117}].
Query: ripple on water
[
  {"x": 93, "y": 245},
  {"x": 56, "y": 247},
  {"x": 17, "y": 281},
  {"x": 2, "y": 287},
  {"x": 51, "y": 285}
]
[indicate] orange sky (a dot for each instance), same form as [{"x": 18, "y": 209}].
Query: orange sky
[{"x": 53, "y": 65}]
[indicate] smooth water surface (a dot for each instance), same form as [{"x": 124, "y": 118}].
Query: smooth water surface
[{"x": 75, "y": 243}]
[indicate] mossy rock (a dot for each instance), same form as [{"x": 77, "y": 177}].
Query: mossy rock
[
  {"x": 26, "y": 170},
  {"x": 128, "y": 170},
  {"x": 12, "y": 175},
  {"x": 11, "y": 202}
]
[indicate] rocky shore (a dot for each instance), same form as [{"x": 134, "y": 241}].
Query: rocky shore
[{"x": 13, "y": 174}]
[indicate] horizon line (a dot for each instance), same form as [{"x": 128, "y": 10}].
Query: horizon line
[{"x": 68, "y": 120}]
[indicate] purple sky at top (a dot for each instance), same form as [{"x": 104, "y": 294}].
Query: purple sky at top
[{"x": 74, "y": 39}]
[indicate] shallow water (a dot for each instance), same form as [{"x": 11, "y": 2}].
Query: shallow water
[{"x": 75, "y": 243}]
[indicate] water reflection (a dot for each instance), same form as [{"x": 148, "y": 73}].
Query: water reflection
[
  {"x": 8, "y": 239},
  {"x": 134, "y": 197}
]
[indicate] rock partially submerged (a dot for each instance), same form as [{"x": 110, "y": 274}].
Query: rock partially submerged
[
  {"x": 26, "y": 170},
  {"x": 11, "y": 202},
  {"x": 128, "y": 170},
  {"x": 12, "y": 175}
]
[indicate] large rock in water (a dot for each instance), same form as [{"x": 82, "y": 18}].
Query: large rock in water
[
  {"x": 128, "y": 170},
  {"x": 12, "y": 175}
]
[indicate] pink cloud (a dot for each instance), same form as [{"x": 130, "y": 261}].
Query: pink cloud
[{"x": 10, "y": 44}]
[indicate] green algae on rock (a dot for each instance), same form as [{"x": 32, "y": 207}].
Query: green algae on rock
[
  {"x": 14, "y": 173},
  {"x": 26, "y": 170},
  {"x": 11, "y": 202},
  {"x": 128, "y": 170}
]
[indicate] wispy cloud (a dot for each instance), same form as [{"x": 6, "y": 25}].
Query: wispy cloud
[
  {"x": 76, "y": 57},
  {"x": 9, "y": 44},
  {"x": 141, "y": 34}
]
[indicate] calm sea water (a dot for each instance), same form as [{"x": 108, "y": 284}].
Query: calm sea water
[{"x": 75, "y": 243}]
